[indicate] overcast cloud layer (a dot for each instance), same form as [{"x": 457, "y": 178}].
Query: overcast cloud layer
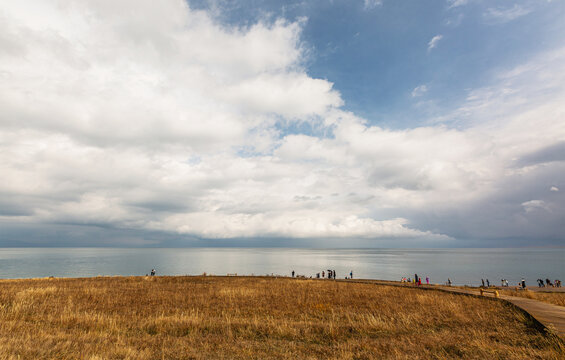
[{"x": 152, "y": 121}]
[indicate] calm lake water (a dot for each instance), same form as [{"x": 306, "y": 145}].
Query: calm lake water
[{"x": 463, "y": 266}]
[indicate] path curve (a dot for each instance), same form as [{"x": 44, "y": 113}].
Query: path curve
[{"x": 552, "y": 317}]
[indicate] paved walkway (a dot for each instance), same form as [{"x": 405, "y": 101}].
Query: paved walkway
[{"x": 552, "y": 317}]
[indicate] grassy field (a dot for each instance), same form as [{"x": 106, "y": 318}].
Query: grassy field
[
  {"x": 255, "y": 318},
  {"x": 556, "y": 298}
]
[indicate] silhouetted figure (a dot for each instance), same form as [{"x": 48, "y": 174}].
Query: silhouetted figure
[
  {"x": 351, "y": 274},
  {"x": 523, "y": 283},
  {"x": 448, "y": 281},
  {"x": 292, "y": 273},
  {"x": 483, "y": 282},
  {"x": 153, "y": 272},
  {"x": 488, "y": 283},
  {"x": 323, "y": 274}
]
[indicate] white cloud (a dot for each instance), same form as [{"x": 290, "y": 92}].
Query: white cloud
[
  {"x": 140, "y": 120},
  {"x": 534, "y": 205},
  {"x": 163, "y": 120},
  {"x": 504, "y": 15},
  {"x": 419, "y": 90},
  {"x": 371, "y": 4},
  {"x": 434, "y": 41},
  {"x": 457, "y": 3},
  {"x": 554, "y": 189}
]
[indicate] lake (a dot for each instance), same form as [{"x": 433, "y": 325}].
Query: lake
[{"x": 463, "y": 266}]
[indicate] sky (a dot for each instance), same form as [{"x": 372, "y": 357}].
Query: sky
[{"x": 321, "y": 123}]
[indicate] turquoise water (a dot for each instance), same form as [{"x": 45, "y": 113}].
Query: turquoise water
[{"x": 463, "y": 266}]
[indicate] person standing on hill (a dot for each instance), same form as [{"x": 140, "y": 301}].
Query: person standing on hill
[
  {"x": 292, "y": 273},
  {"x": 351, "y": 274},
  {"x": 427, "y": 280},
  {"x": 488, "y": 283},
  {"x": 523, "y": 282},
  {"x": 483, "y": 282}
]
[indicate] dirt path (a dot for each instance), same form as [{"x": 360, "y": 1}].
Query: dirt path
[{"x": 552, "y": 317}]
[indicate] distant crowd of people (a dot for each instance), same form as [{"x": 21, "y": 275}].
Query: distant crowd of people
[
  {"x": 417, "y": 280},
  {"x": 331, "y": 274},
  {"x": 548, "y": 283},
  {"x": 522, "y": 283}
]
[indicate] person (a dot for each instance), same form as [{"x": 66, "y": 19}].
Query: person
[
  {"x": 449, "y": 281},
  {"x": 483, "y": 282},
  {"x": 488, "y": 283},
  {"x": 292, "y": 273},
  {"x": 323, "y": 274},
  {"x": 419, "y": 281},
  {"x": 317, "y": 275},
  {"x": 333, "y": 272},
  {"x": 351, "y": 274},
  {"x": 506, "y": 282},
  {"x": 427, "y": 280},
  {"x": 329, "y": 274},
  {"x": 502, "y": 282},
  {"x": 153, "y": 272},
  {"x": 523, "y": 283}
]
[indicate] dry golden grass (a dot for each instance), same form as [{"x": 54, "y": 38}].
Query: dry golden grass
[
  {"x": 556, "y": 298},
  {"x": 255, "y": 318}
]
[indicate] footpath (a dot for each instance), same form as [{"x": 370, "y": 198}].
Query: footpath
[{"x": 552, "y": 317}]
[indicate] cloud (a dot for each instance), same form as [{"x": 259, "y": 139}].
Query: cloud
[
  {"x": 434, "y": 41},
  {"x": 554, "y": 189},
  {"x": 457, "y": 3},
  {"x": 419, "y": 90},
  {"x": 504, "y": 15},
  {"x": 534, "y": 205},
  {"x": 163, "y": 121},
  {"x": 371, "y": 4}
]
